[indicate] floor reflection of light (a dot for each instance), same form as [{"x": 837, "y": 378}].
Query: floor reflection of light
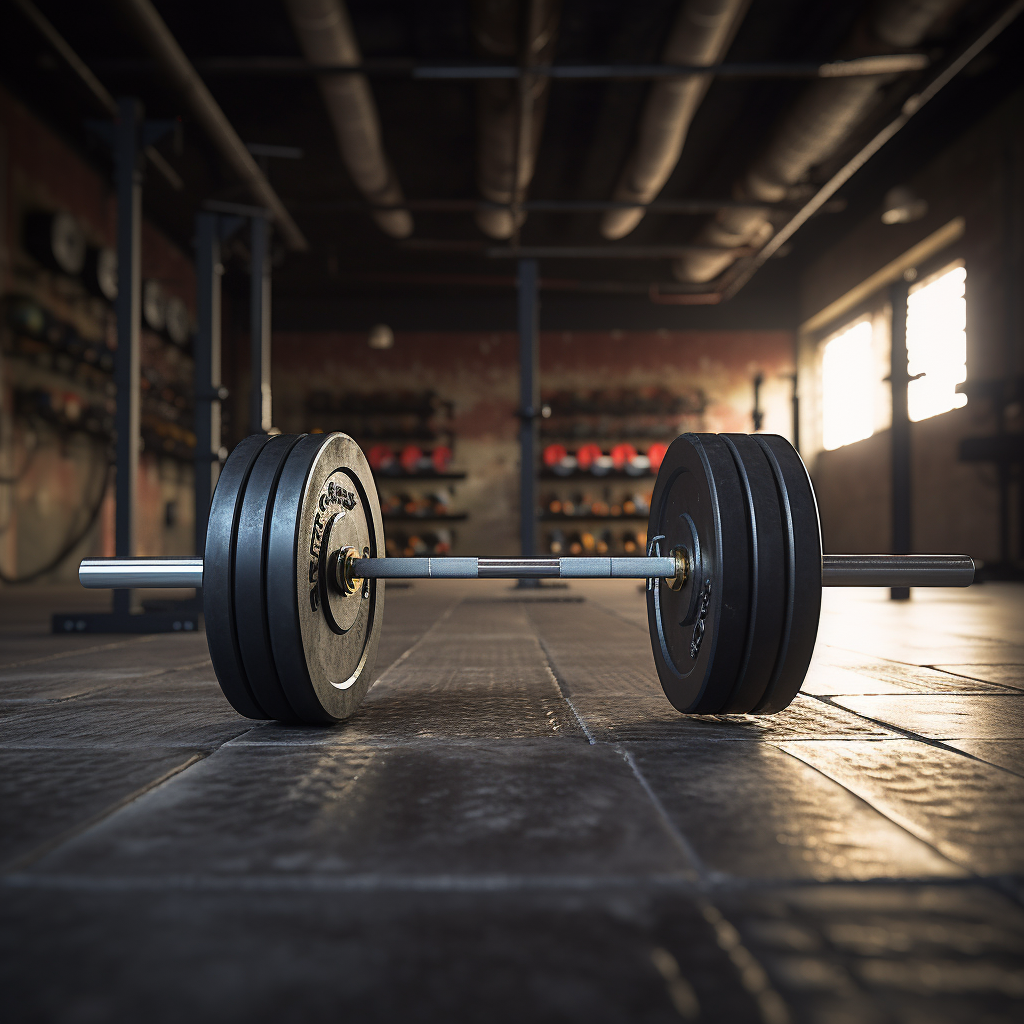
[
  {"x": 937, "y": 343},
  {"x": 848, "y": 387}
]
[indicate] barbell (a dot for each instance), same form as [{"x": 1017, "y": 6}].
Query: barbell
[{"x": 293, "y": 576}]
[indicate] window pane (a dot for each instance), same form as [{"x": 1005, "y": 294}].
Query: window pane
[
  {"x": 937, "y": 344},
  {"x": 848, "y": 387}
]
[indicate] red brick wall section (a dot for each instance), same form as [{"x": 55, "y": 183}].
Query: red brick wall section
[{"x": 478, "y": 372}]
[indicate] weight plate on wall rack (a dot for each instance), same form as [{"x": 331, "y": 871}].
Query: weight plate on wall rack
[
  {"x": 324, "y": 642},
  {"x": 767, "y": 574},
  {"x": 251, "y": 617},
  {"x": 698, "y": 633},
  {"x": 218, "y": 577},
  {"x": 802, "y": 532}
]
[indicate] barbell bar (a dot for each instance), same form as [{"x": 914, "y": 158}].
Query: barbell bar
[
  {"x": 836, "y": 570},
  {"x": 293, "y": 578}
]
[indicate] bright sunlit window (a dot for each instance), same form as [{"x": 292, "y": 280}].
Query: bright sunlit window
[
  {"x": 937, "y": 343},
  {"x": 848, "y": 385}
]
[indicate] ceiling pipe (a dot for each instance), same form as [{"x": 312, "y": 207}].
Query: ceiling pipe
[
  {"x": 325, "y": 34},
  {"x": 157, "y": 37},
  {"x": 702, "y": 33},
  {"x": 510, "y": 113},
  {"x": 813, "y": 130}
]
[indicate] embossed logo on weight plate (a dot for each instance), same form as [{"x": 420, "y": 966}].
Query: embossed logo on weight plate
[
  {"x": 335, "y": 499},
  {"x": 698, "y": 628}
]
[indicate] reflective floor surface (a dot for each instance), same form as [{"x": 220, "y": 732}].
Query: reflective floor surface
[{"x": 518, "y": 826}]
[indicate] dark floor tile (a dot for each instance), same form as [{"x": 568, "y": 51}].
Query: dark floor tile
[
  {"x": 48, "y": 684},
  {"x": 296, "y": 957},
  {"x": 46, "y": 794},
  {"x": 971, "y": 812},
  {"x": 54, "y": 651},
  {"x": 750, "y": 810},
  {"x": 200, "y": 722},
  {"x": 863, "y": 954},
  {"x": 595, "y": 653},
  {"x": 472, "y": 808},
  {"x": 946, "y": 717},
  {"x": 637, "y": 719},
  {"x": 1008, "y": 754},
  {"x": 454, "y": 714}
]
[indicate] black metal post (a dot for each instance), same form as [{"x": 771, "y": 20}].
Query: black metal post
[
  {"x": 259, "y": 320},
  {"x": 794, "y": 402},
  {"x": 127, "y": 151},
  {"x": 207, "y": 369},
  {"x": 529, "y": 405},
  {"x": 899, "y": 379}
]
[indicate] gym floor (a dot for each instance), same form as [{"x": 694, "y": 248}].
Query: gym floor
[{"x": 517, "y": 825}]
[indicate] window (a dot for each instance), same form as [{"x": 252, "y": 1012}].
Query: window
[
  {"x": 937, "y": 343},
  {"x": 848, "y": 385}
]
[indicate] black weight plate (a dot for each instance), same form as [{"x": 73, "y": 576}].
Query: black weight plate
[
  {"x": 324, "y": 642},
  {"x": 218, "y": 577},
  {"x": 803, "y": 572},
  {"x": 767, "y": 574},
  {"x": 251, "y": 620},
  {"x": 699, "y": 632}
]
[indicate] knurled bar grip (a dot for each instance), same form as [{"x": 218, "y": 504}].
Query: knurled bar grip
[
  {"x": 836, "y": 570},
  {"x": 512, "y": 568}
]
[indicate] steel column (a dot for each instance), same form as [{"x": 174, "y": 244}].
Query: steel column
[
  {"x": 128, "y": 170},
  {"x": 529, "y": 404},
  {"x": 207, "y": 370},
  {"x": 259, "y": 327},
  {"x": 899, "y": 380}
]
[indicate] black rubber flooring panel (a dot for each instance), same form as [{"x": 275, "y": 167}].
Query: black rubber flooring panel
[{"x": 516, "y": 825}]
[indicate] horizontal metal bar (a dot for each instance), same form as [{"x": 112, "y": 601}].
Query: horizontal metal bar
[
  {"x": 897, "y": 571},
  {"x": 836, "y": 570},
  {"x": 471, "y": 247},
  {"x": 131, "y": 573},
  {"x": 662, "y": 206},
  {"x": 885, "y": 64}
]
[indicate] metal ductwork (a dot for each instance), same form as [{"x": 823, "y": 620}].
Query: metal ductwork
[
  {"x": 810, "y": 133},
  {"x": 508, "y": 130},
  {"x": 325, "y": 34},
  {"x": 702, "y": 33}
]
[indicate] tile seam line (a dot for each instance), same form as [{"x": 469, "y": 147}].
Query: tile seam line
[
  {"x": 905, "y": 826},
  {"x": 697, "y": 865},
  {"x": 975, "y": 679},
  {"x": 560, "y": 683},
  {"x": 769, "y": 1001},
  {"x": 117, "y": 644},
  {"x": 939, "y": 744},
  {"x": 444, "y": 616},
  {"x": 48, "y": 846},
  {"x": 129, "y": 680}
]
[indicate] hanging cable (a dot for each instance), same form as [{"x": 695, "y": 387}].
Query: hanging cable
[{"x": 70, "y": 544}]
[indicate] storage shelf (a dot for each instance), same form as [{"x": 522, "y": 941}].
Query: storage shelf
[
  {"x": 401, "y": 517},
  {"x": 398, "y": 478},
  {"x": 550, "y": 517},
  {"x": 616, "y": 474}
]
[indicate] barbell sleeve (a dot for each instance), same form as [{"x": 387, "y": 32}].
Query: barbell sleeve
[
  {"x": 133, "y": 573},
  {"x": 897, "y": 571},
  {"x": 836, "y": 570}
]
